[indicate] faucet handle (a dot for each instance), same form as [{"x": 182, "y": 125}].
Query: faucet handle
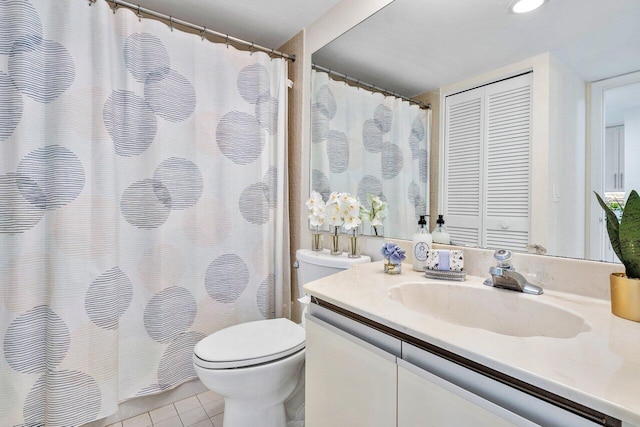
[{"x": 503, "y": 256}]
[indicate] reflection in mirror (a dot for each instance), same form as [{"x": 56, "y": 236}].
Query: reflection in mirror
[
  {"x": 422, "y": 47},
  {"x": 370, "y": 145},
  {"x": 621, "y": 146}
]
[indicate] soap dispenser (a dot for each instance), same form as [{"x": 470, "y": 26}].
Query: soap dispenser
[
  {"x": 440, "y": 233},
  {"x": 422, "y": 243}
]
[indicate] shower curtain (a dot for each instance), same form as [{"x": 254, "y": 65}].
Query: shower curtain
[
  {"x": 142, "y": 204},
  {"x": 366, "y": 143}
]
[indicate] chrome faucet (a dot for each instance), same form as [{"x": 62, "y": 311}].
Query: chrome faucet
[{"x": 505, "y": 276}]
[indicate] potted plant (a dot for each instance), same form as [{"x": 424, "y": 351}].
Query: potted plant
[{"x": 624, "y": 234}]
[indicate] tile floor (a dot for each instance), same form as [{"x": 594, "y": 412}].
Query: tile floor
[{"x": 204, "y": 410}]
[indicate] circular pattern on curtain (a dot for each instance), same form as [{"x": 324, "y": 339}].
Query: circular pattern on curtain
[
  {"x": 169, "y": 313},
  {"x": 36, "y": 341},
  {"x": 108, "y": 298},
  {"x": 145, "y": 54},
  {"x": 130, "y": 121},
  {"x": 56, "y": 171},
  {"x": 146, "y": 204},
  {"x": 240, "y": 138},
  {"x": 182, "y": 179},
  {"x": 24, "y": 23},
  {"x": 226, "y": 278},
  {"x": 41, "y": 69}
]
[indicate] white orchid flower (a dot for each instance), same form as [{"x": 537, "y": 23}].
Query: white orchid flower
[
  {"x": 319, "y": 210},
  {"x": 351, "y": 222},
  {"x": 317, "y": 220},
  {"x": 353, "y": 207},
  {"x": 317, "y": 215},
  {"x": 379, "y": 209},
  {"x": 333, "y": 198},
  {"x": 335, "y": 220},
  {"x": 344, "y": 198},
  {"x": 383, "y": 210},
  {"x": 314, "y": 200},
  {"x": 334, "y": 209}
]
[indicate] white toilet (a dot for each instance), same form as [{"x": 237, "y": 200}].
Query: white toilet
[{"x": 257, "y": 365}]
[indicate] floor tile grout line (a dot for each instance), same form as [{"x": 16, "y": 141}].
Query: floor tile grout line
[{"x": 201, "y": 405}]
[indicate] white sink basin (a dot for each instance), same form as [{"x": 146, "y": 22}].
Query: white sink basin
[{"x": 497, "y": 310}]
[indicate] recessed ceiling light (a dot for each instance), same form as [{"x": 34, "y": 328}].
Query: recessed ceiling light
[{"x": 524, "y": 6}]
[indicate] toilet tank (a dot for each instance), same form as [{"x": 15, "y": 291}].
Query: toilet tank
[{"x": 313, "y": 265}]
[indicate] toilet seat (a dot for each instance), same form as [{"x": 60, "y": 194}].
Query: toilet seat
[{"x": 249, "y": 344}]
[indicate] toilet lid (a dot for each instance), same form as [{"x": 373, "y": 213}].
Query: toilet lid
[{"x": 249, "y": 344}]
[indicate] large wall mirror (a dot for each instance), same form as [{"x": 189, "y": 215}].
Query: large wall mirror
[{"x": 583, "y": 118}]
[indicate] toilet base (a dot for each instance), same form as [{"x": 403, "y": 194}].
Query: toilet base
[
  {"x": 237, "y": 415},
  {"x": 255, "y": 396}
]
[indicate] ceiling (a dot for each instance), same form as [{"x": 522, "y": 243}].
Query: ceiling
[
  {"x": 268, "y": 23},
  {"x": 436, "y": 42},
  {"x": 413, "y": 46}
]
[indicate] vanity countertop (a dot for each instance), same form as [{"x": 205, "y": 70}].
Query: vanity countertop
[{"x": 599, "y": 368}]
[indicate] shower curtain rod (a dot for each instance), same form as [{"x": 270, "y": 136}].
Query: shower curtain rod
[
  {"x": 138, "y": 10},
  {"x": 370, "y": 86}
]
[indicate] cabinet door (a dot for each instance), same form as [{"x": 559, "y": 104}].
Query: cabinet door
[
  {"x": 463, "y": 166},
  {"x": 511, "y": 404},
  {"x": 425, "y": 400},
  {"x": 349, "y": 382},
  {"x": 487, "y": 164},
  {"x": 507, "y": 179}
]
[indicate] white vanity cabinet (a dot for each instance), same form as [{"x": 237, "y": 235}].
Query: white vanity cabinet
[
  {"x": 349, "y": 382},
  {"x": 361, "y": 373}
]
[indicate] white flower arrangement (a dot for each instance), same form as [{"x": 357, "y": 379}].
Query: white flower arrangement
[
  {"x": 379, "y": 210},
  {"x": 344, "y": 210},
  {"x": 317, "y": 209}
]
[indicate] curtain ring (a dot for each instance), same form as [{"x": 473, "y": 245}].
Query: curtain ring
[
  {"x": 115, "y": 7},
  {"x": 139, "y": 15},
  {"x": 251, "y": 48},
  {"x": 202, "y": 32},
  {"x": 227, "y": 41},
  {"x": 271, "y": 53},
  {"x": 171, "y": 23}
]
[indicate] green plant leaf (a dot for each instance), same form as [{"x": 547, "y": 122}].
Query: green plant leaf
[
  {"x": 613, "y": 227},
  {"x": 630, "y": 236}
]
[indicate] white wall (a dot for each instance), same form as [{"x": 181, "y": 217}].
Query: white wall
[
  {"x": 567, "y": 161},
  {"x": 631, "y": 150}
]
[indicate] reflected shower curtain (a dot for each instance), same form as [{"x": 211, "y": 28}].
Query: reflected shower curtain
[
  {"x": 364, "y": 142},
  {"x": 142, "y": 205}
]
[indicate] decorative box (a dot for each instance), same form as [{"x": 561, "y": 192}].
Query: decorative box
[{"x": 445, "y": 260}]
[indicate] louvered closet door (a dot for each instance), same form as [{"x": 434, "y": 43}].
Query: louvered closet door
[
  {"x": 463, "y": 166},
  {"x": 506, "y": 219}
]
